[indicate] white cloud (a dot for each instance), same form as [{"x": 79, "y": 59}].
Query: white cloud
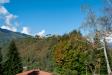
[
  {"x": 4, "y": 1},
  {"x": 11, "y": 28},
  {"x": 41, "y": 33},
  {"x": 9, "y": 19},
  {"x": 3, "y": 10},
  {"x": 9, "y": 22},
  {"x": 25, "y": 30}
]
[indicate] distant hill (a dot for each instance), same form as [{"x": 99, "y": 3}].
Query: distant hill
[{"x": 7, "y": 35}]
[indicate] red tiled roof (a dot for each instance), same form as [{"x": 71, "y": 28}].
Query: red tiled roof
[{"x": 40, "y": 72}]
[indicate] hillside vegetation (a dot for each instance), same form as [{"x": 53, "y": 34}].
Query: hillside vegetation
[{"x": 69, "y": 54}]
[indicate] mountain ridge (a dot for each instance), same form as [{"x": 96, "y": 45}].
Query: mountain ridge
[{"x": 7, "y": 35}]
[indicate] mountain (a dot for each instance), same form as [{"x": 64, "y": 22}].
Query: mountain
[{"x": 7, "y": 35}]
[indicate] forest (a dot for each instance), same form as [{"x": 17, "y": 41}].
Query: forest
[{"x": 73, "y": 53}]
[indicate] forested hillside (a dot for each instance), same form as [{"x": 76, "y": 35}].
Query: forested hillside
[
  {"x": 86, "y": 50},
  {"x": 70, "y": 53}
]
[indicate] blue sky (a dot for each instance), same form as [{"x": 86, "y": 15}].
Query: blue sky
[{"x": 52, "y": 16}]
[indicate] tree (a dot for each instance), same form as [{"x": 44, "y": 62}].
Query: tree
[
  {"x": 1, "y": 67},
  {"x": 71, "y": 54},
  {"x": 102, "y": 24},
  {"x": 13, "y": 64}
]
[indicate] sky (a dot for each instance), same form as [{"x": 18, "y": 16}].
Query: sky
[{"x": 44, "y": 16}]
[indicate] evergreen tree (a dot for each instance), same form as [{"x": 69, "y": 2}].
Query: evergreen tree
[
  {"x": 13, "y": 64},
  {"x": 1, "y": 68}
]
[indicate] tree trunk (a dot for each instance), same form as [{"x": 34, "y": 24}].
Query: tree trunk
[{"x": 106, "y": 57}]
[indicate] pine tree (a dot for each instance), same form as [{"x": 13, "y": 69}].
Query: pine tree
[
  {"x": 13, "y": 64},
  {"x": 1, "y": 67}
]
